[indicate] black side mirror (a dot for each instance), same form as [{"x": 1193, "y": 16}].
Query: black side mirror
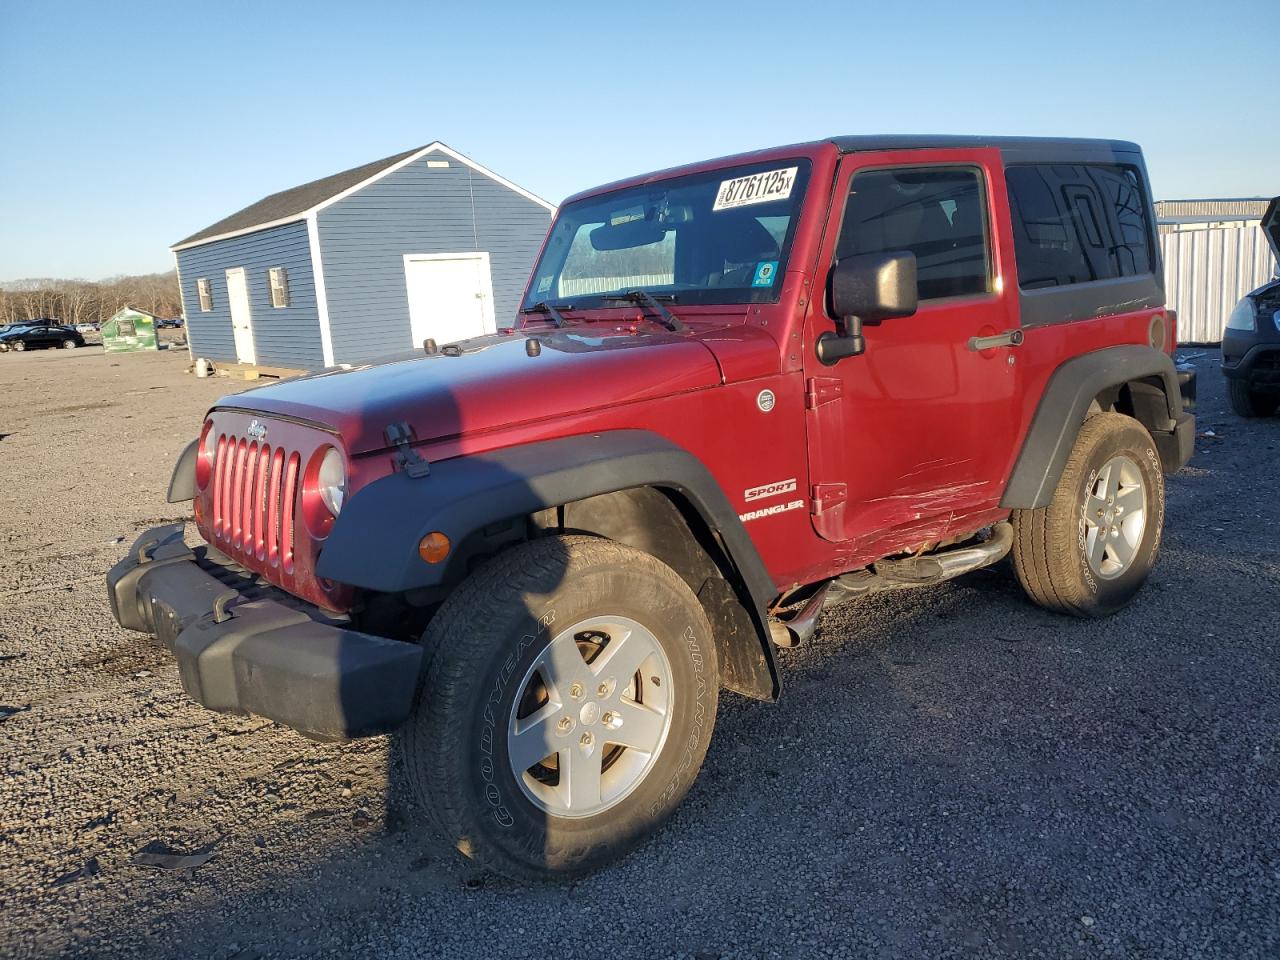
[{"x": 867, "y": 288}]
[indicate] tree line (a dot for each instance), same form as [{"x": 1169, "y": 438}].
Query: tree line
[{"x": 89, "y": 301}]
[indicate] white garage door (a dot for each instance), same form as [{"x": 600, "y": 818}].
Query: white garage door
[{"x": 450, "y": 296}]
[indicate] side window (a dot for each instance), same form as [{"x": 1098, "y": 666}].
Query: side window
[
  {"x": 937, "y": 213},
  {"x": 205, "y": 295},
  {"x": 278, "y": 279},
  {"x": 1074, "y": 223}
]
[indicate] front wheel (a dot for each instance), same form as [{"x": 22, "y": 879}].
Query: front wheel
[
  {"x": 1249, "y": 402},
  {"x": 1091, "y": 549},
  {"x": 566, "y": 709},
  {"x": 19, "y": 346}
]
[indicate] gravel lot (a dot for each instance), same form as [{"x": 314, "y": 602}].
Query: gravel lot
[{"x": 951, "y": 772}]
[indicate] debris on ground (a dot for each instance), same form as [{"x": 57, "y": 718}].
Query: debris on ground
[
  {"x": 163, "y": 857},
  {"x": 7, "y": 712},
  {"x": 90, "y": 869}
]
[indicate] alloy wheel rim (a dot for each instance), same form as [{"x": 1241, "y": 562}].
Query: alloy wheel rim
[
  {"x": 1115, "y": 517},
  {"x": 591, "y": 716}
]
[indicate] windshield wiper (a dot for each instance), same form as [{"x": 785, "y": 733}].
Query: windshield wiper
[
  {"x": 550, "y": 310},
  {"x": 668, "y": 320}
]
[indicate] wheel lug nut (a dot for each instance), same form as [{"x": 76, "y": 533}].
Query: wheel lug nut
[
  {"x": 575, "y": 691},
  {"x": 563, "y": 724},
  {"x": 605, "y": 688},
  {"x": 587, "y": 739}
]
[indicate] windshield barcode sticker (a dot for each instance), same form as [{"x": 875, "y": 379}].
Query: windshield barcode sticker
[{"x": 757, "y": 188}]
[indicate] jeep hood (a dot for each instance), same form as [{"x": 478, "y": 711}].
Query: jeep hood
[{"x": 490, "y": 382}]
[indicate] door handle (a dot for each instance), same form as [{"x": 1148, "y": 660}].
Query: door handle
[{"x": 1010, "y": 338}]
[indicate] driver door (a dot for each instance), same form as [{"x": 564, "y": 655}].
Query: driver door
[{"x": 912, "y": 437}]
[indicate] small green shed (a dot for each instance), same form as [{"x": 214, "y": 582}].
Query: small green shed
[{"x": 130, "y": 330}]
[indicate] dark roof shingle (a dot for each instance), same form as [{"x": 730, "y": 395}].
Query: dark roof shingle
[{"x": 296, "y": 200}]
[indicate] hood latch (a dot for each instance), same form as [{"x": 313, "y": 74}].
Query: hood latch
[{"x": 400, "y": 435}]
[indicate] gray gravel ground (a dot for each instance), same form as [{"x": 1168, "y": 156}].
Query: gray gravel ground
[{"x": 951, "y": 772}]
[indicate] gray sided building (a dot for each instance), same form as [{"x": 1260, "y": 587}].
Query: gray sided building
[{"x": 368, "y": 262}]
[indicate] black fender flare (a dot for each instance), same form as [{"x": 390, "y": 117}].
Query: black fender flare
[
  {"x": 1063, "y": 407},
  {"x": 374, "y": 542}
]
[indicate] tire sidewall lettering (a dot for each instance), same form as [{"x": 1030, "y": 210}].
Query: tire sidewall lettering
[
  {"x": 488, "y": 769},
  {"x": 1082, "y": 535},
  {"x": 689, "y": 752}
]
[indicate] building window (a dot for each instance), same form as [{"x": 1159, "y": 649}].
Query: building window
[
  {"x": 279, "y": 278},
  {"x": 206, "y": 295}
]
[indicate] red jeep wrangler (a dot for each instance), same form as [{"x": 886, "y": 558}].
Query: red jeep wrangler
[{"x": 737, "y": 393}]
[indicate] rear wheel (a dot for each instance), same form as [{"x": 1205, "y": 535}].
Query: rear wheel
[
  {"x": 1248, "y": 401},
  {"x": 1091, "y": 549},
  {"x": 68, "y": 344},
  {"x": 566, "y": 709}
]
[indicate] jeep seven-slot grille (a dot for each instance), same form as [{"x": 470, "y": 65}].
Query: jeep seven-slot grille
[{"x": 255, "y": 487}]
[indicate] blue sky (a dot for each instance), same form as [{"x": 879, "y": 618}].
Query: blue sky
[{"x": 130, "y": 125}]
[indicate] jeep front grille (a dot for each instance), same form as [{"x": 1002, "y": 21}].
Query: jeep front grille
[{"x": 255, "y": 489}]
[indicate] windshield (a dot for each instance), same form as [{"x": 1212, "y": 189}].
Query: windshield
[{"x": 717, "y": 237}]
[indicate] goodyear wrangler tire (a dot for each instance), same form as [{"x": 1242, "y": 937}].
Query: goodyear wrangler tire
[
  {"x": 566, "y": 708},
  {"x": 1091, "y": 549}
]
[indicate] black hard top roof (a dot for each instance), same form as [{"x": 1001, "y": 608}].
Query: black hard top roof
[{"x": 1021, "y": 148}]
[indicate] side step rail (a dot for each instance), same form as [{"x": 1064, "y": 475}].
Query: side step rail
[
  {"x": 891, "y": 575},
  {"x": 938, "y": 567}
]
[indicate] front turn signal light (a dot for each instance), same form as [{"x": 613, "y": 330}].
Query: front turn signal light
[{"x": 434, "y": 547}]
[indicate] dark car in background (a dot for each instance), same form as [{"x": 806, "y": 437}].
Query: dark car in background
[
  {"x": 36, "y": 335},
  {"x": 1251, "y": 341}
]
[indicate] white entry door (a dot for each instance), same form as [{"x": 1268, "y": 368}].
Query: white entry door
[
  {"x": 241, "y": 317},
  {"x": 450, "y": 296}
]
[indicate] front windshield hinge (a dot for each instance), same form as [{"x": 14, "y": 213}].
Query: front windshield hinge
[
  {"x": 400, "y": 436},
  {"x": 551, "y": 310},
  {"x": 668, "y": 319}
]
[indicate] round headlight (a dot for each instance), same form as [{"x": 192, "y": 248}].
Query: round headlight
[
  {"x": 331, "y": 480},
  {"x": 1244, "y": 316}
]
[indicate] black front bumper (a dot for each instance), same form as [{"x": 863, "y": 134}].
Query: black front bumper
[
  {"x": 1259, "y": 364},
  {"x": 242, "y": 648}
]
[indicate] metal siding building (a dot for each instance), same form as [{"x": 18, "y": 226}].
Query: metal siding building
[
  {"x": 1206, "y": 272},
  {"x": 1214, "y": 253},
  {"x": 425, "y": 243}
]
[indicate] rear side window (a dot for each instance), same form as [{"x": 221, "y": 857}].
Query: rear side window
[
  {"x": 937, "y": 213},
  {"x": 1076, "y": 223}
]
